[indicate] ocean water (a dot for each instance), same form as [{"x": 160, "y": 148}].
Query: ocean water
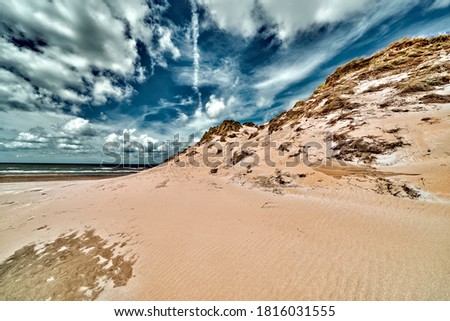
[{"x": 20, "y": 169}]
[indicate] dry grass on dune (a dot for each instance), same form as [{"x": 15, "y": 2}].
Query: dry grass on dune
[
  {"x": 222, "y": 130},
  {"x": 402, "y": 56}
]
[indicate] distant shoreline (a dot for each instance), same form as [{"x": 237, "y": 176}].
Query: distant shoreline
[
  {"x": 43, "y": 172},
  {"x": 49, "y": 178}
]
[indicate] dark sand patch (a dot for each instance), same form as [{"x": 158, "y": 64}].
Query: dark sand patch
[
  {"x": 73, "y": 267},
  {"x": 359, "y": 171},
  {"x": 162, "y": 184}
]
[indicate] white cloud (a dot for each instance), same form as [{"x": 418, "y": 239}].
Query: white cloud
[
  {"x": 68, "y": 146},
  {"x": 439, "y": 4},
  {"x": 277, "y": 77},
  {"x": 218, "y": 106},
  {"x": 42, "y": 71},
  {"x": 22, "y": 145},
  {"x": 104, "y": 117},
  {"x": 79, "y": 126},
  {"x": 234, "y": 16},
  {"x": 165, "y": 42},
  {"x": 223, "y": 73},
  {"x": 26, "y": 140},
  {"x": 182, "y": 118},
  {"x": 72, "y": 96},
  {"x": 135, "y": 12},
  {"x": 28, "y": 137},
  {"x": 133, "y": 137},
  {"x": 104, "y": 89},
  {"x": 179, "y": 101},
  {"x": 215, "y": 106},
  {"x": 140, "y": 74},
  {"x": 68, "y": 48},
  {"x": 145, "y": 139},
  {"x": 289, "y": 16},
  {"x": 113, "y": 138},
  {"x": 16, "y": 92},
  {"x": 129, "y": 140}
]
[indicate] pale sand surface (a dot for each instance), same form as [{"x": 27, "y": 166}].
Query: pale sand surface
[{"x": 192, "y": 236}]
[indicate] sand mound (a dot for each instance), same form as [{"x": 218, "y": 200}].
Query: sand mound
[{"x": 384, "y": 114}]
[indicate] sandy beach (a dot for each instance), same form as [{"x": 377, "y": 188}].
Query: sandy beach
[{"x": 196, "y": 237}]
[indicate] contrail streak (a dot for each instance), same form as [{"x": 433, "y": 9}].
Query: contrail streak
[{"x": 196, "y": 52}]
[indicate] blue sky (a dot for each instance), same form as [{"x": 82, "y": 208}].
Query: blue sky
[{"x": 77, "y": 74}]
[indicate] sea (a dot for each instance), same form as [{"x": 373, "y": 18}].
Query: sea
[{"x": 27, "y": 169}]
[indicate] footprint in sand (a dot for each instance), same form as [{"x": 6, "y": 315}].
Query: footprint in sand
[
  {"x": 162, "y": 184},
  {"x": 269, "y": 205}
]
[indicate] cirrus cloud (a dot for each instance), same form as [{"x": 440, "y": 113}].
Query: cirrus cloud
[{"x": 245, "y": 17}]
